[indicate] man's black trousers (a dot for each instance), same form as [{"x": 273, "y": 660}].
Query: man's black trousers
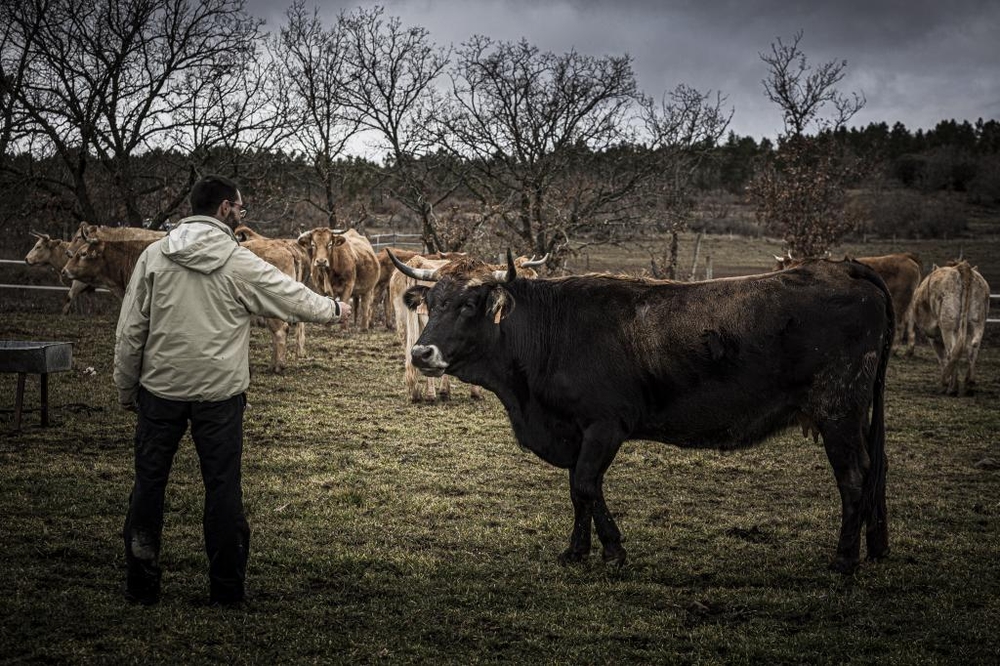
[{"x": 217, "y": 431}]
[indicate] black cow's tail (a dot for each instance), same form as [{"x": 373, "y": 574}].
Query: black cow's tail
[{"x": 873, "y": 507}]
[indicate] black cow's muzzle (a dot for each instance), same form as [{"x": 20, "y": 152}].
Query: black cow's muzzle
[{"x": 428, "y": 360}]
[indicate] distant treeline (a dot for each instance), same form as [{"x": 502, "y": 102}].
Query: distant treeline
[{"x": 953, "y": 156}]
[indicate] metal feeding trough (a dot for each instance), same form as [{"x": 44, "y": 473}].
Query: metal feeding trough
[{"x": 42, "y": 358}]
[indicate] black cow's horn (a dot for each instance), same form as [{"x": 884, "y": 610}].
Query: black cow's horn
[
  {"x": 410, "y": 271},
  {"x": 509, "y": 274}
]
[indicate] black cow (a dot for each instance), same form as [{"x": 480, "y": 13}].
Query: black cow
[{"x": 583, "y": 363}]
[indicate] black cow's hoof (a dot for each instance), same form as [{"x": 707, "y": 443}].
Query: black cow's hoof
[
  {"x": 571, "y": 556},
  {"x": 844, "y": 566},
  {"x": 614, "y": 556}
]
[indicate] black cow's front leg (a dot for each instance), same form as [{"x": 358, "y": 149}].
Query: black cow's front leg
[
  {"x": 600, "y": 445},
  {"x": 579, "y": 540}
]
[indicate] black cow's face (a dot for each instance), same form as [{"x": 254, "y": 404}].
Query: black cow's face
[{"x": 463, "y": 324}]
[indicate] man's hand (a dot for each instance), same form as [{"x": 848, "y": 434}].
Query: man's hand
[
  {"x": 130, "y": 407},
  {"x": 345, "y": 309}
]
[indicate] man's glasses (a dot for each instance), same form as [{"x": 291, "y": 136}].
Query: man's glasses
[{"x": 243, "y": 209}]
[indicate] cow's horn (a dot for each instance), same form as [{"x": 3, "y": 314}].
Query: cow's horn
[
  {"x": 304, "y": 235},
  {"x": 410, "y": 271},
  {"x": 37, "y": 234},
  {"x": 508, "y": 275},
  {"x": 535, "y": 263},
  {"x": 780, "y": 260}
]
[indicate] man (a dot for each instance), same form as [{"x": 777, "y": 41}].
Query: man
[{"x": 181, "y": 354}]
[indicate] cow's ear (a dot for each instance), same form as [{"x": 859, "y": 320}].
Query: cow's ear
[
  {"x": 501, "y": 304},
  {"x": 414, "y": 296},
  {"x": 338, "y": 241},
  {"x": 305, "y": 239}
]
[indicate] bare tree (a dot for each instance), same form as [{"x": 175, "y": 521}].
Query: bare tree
[
  {"x": 800, "y": 191},
  {"x": 110, "y": 81},
  {"x": 553, "y": 141},
  {"x": 802, "y": 92},
  {"x": 17, "y": 38},
  {"x": 535, "y": 128},
  {"x": 391, "y": 92},
  {"x": 314, "y": 73},
  {"x": 685, "y": 128}
]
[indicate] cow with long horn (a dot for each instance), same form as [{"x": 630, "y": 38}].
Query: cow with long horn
[{"x": 409, "y": 324}]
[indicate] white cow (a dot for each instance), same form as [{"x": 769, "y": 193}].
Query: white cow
[{"x": 950, "y": 307}]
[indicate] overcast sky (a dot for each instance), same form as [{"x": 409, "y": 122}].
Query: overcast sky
[{"x": 916, "y": 61}]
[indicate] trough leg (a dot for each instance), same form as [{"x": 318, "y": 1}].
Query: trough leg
[
  {"x": 19, "y": 400},
  {"x": 45, "y": 399}
]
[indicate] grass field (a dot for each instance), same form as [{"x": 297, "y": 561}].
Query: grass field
[{"x": 387, "y": 532}]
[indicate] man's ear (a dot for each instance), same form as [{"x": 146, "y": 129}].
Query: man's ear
[
  {"x": 501, "y": 303},
  {"x": 415, "y": 296}
]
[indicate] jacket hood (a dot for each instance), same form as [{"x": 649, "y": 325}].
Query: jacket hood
[{"x": 201, "y": 243}]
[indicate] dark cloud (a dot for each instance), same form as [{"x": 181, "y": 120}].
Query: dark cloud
[{"x": 916, "y": 61}]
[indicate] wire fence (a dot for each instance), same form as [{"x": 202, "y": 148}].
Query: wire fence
[
  {"x": 378, "y": 241},
  {"x": 393, "y": 239}
]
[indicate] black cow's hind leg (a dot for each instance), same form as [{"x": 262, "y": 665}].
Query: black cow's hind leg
[{"x": 845, "y": 447}]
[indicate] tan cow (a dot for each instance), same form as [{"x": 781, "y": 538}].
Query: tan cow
[
  {"x": 244, "y": 233},
  {"x": 901, "y": 273},
  {"x": 950, "y": 308},
  {"x": 343, "y": 265},
  {"x": 288, "y": 261},
  {"x": 410, "y": 323},
  {"x": 87, "y": 231},
  {"x": 55, "y": 253},
  {"x": 386, "y": 271}
]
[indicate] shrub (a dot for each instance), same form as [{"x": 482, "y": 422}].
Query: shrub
[{"x": 904, "y": 214}]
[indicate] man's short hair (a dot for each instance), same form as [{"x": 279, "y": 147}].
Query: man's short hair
[{"x": 209, "y": 193}]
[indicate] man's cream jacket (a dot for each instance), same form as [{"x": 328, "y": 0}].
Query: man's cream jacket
[{"x": 184, "y": 328}]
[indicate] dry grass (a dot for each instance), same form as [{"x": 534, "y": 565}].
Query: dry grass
[{"x": 392, "y": 532}]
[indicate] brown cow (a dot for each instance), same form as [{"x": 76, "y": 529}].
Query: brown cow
[
  {"x": 343, "y": 265},
  {"x": 950, "y": 308},
  {"x": 410, "y": 323},
  {"x": 106, "y": 263},
  {"x": 55, "y": 253},
  {"x": 901, "y": 273}
]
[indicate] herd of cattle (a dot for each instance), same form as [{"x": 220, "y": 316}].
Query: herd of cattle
[
  {"x": 949, "y": 305},
  {"x": 584, "y": 363}
]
